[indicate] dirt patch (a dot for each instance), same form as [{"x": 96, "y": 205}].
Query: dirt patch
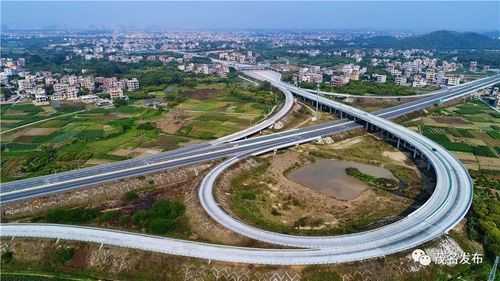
[
  {"x": 489, "y": 163},
  {"x": 94, "y": 162},
  {"x": 139, "y": 151},
  {"x": 124, "y": 152},
  {"x": 39, "y": 131},
  {"x": 396, "y": 155},
  {"x": 25, "y": 135},
  {"x": 451, "y": 120},
  {"x": 173, "y": 121},
  {"x": 347, "y": 143},
  {"x": 93, "y": 262}
]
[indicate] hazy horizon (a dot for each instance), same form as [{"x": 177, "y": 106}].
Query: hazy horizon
[{"x": 207, "y": 15}]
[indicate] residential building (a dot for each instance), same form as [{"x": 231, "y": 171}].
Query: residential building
[
  {"x": 379, "y": 78},
  {"x": 115, "y": 93},
  {"x": 453, "y": 80}
]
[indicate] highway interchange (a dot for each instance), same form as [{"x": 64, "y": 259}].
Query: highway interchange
[{"x": 445, "y": 208}]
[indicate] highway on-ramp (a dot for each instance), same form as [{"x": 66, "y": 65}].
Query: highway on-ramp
[
  {"x": 44, "y": 185},
  {"x": 445, "y": 208}
]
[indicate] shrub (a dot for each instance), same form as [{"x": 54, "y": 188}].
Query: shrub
[
  {"x": 161, "y": 218},
  {"x": 161, "y": 226},
  {"x": 109, "y": 216},
  {"x": 7, "y": 257},
  {"x": 71, "y": 216},
  {"x": 140, "y": 217},
  {"x": 64, "y": 254},
  {"x": 130, "y": 196},
  {"x": 146, "y": 126}
]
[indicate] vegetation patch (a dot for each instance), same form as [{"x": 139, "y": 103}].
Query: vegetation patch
[{"x": 383, "y": 183}]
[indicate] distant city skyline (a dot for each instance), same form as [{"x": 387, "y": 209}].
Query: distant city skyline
[{"x": 355, "y": 15}]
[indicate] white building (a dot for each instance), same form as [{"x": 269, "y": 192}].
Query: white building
[
  {"x": 400, "y": 80},
  {"x": 89, "y": 98},
  {"x": 132, "y": 84},
  {"x": 41, "y": 98},
  {"x": 453, "y": 80},
  {"x": 61, "y": 88},
  {"x": 115, "y": 93},
  {"x": 25, "y": 84},
  {"x": 379, "y": 78},
  {"x": 72, "y": 93},
  {"x": 88, "y": 83}
]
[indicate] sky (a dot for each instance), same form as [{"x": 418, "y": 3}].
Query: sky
[{"x": 236, "y": 15}]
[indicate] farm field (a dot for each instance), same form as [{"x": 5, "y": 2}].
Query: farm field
[
  {"x": 96, "y": 136},
  {"x": 15, "y": 115},
  {"x": 470, "y": 130}
]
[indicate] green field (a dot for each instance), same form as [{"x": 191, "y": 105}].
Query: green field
[
  {"x": 75, "y": 141},
  {"x": 97, "y": 135},
  {"x": 471, "y": 131},
  {"x": 470, "y": 128},
  {"x": 15, "y": 115}
]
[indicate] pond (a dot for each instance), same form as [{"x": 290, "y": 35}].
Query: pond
[{"x": 328, "y": 176}]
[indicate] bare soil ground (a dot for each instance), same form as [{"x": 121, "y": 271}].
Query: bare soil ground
[
  {"x": 179, "y": 184},
  {"x": 450, "y": 120},
  {"x": 113, "y": 263},
  {"x": 172, "y": 121},
  {"x": 39, "y": 131},
  {"x": 171, "y": 183},
  {"x": 288, "y": 202},
  {"x": 93, "y": 262}
]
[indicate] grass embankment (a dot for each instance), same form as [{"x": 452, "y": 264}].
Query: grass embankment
[{"x": 161, "y": 217}]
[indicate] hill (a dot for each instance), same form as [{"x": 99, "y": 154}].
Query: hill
[{"x": 436, "y": 40}]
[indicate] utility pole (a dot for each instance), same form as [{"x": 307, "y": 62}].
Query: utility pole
[{"x": 317, "y": 101}]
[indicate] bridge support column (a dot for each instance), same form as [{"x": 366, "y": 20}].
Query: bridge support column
[{"x": 399, "y": 142}]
